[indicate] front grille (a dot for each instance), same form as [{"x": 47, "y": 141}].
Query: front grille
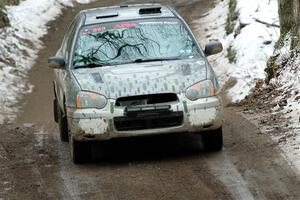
[
  {"x": 149, "y": 120},
  {"x": 146, "y": 99}
]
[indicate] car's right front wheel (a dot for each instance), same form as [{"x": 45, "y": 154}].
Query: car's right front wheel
[{"x": 212, "y": 140}]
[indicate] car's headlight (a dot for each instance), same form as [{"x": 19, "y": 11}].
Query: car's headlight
[
  {"x": 200, "y": 90},
  {"x": 90, "y": 100}
]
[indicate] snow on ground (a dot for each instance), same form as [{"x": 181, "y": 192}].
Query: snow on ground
[
  {"x": 288, "y": 81},
  {"x": 253, "y": 45},
  {"x": 19, "y": 45},
  {"x": 215, "y": 22}
]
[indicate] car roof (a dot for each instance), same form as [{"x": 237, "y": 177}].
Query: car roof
[{"x": 126, "y": 12}]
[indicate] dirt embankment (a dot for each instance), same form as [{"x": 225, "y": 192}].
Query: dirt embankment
[{"x": 262, "y": 109}]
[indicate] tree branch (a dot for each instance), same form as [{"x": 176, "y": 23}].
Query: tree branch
[{"x": 266, "y": 23}]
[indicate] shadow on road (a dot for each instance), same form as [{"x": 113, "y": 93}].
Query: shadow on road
[{"x": 149, "y": 148}]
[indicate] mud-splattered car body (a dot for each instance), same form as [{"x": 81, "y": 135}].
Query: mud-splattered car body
[
  {"x": 132, "y": 98},
  {"x": 156, "y": 81}
]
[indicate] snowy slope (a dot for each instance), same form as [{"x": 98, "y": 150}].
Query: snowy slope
[
  {"x": 288, "y": 82},
  {"x": 253, "y": 45},
  {"x": 19, "y": 45}
]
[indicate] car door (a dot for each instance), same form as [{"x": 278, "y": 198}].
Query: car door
[{"x": 61, "y": 74}]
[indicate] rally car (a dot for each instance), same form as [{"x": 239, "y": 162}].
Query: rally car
[{"x": 134, "y": 70}]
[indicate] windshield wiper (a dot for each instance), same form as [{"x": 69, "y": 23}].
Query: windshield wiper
[
  {"x": 90, "y": 65},
  {"x": 140, "y": 60}
]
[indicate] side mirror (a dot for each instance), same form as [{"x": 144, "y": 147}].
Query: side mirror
[
  {"x": 213, "y": 48},
  {"x": 56, "y": 62}
]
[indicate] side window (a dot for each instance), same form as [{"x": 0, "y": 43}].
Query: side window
[
  {"x": 70, "y": 39},
  {"x": 68, "y": 35}
]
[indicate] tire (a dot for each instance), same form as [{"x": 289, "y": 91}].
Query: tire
[
  {"x": 212, "y": 140},
  {"x": 62, "y": 125},
  {"x": 55, "y": 111},
  {"x": 80, "y": 151}
]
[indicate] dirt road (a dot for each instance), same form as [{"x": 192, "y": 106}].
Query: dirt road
[{"x": 34, "y": 164}]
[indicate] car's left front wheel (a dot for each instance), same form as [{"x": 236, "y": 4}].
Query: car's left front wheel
[{"x": 213, "y": 140}]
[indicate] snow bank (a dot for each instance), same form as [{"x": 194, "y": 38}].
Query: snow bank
[
  {"x": 19, "y": 45},
  {"x": 288, "y": 82},
  {"x": 253, "y": 45},
  {"x": 214, "y": 24}
]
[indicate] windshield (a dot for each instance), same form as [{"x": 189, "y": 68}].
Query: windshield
[{"x": 133, "y": 41}]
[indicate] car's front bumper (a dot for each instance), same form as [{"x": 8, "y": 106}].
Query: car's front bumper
[{"x": 98, "y": 124}]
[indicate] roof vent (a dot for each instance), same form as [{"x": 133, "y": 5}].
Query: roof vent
[
  {"x": 153, "y": 10},
  {"x": 107, "y": 15}
]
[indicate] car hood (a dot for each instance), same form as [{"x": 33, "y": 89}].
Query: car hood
[{"x": 142, "y": 78}]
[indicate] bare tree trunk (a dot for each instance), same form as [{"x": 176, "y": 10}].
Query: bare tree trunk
[
  {"x": 289, "y": 15},
  {"x": 285, "y": 15},
  {"x": 297, "y": 16}
]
